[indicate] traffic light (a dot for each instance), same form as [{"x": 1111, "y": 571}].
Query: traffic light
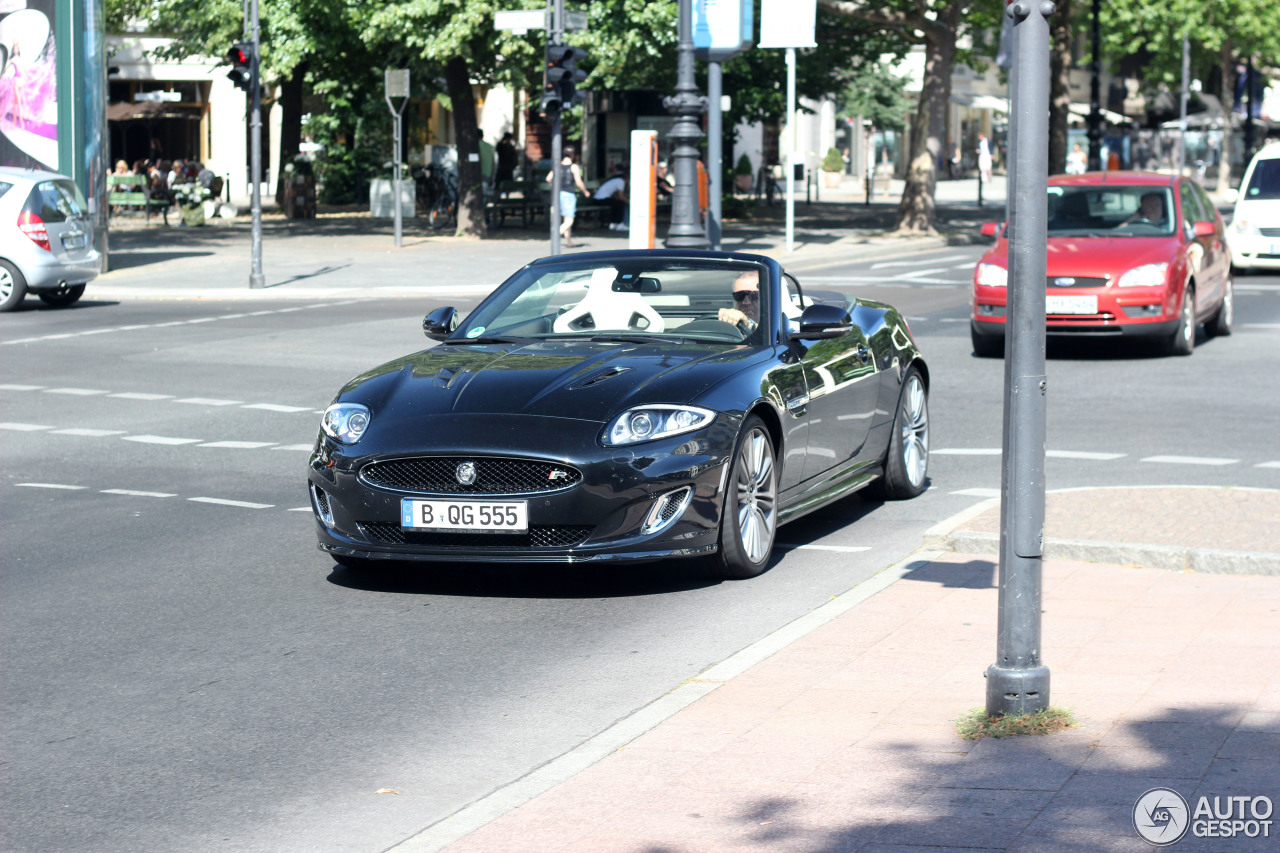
[
  {"x": 241, "y": 58},
  {"x": 560, "y": 83}
]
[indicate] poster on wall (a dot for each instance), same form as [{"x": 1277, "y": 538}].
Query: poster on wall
[{"x": 28, "y": 85}]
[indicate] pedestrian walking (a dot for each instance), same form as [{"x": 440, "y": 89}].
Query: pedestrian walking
[{"x": 570, "y": 175}]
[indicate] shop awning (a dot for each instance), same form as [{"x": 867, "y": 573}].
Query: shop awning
[{"x": 124, "y": 111}]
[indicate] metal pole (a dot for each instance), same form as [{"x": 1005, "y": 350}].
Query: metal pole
[
  {"x": 395, "y": 183},
  {"x": 557, "y": 146},
  {"x": 1248, "y": 117},
  {"x": 1182, "y": 110},
  {"x": 1018, "y": 682},
  {"x": 686, "y": 230},
  {"x": 1095, "y": 92},
  {"x": 791, "y": 149},
  {"x": 715, "y": 142},
  {"x": 256, "y": 279}
]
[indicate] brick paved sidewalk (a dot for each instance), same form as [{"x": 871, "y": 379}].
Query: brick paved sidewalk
[{"x": 845, "y": 739}]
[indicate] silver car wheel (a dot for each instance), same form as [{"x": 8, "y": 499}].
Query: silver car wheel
[
  {"x": 6, "y": 285},
  {"x": 915, "y": 431},
  {"x": 756, "y": 495}
]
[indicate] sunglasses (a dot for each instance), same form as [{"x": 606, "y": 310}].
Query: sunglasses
[{"x": 744, "y": 295}]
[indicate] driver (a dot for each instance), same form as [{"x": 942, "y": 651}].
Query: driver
[
  {"x": 746, "y": 301},
  {"x": 1150, "y": 209}
]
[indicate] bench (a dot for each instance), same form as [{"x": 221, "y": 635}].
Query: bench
[
  {"x": 515, "y": 198},
  {"x": 129, "y": 192}
]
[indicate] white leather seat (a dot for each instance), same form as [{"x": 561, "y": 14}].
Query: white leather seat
[{"x": 609, "y": 310}]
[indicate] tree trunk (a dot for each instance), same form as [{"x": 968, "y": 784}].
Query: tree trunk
[
  {"x": 470, "y": 178},
  {"x": 290, "y": 124},
  {"x": 1227, "y": 64},
  {"x": 1060, "y": 87},
  {"x": 918, "y": 209}
]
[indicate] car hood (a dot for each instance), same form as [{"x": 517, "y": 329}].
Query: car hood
[
  {"x": 1096, "y": 257},
  {"x": 564, "y": 379}
]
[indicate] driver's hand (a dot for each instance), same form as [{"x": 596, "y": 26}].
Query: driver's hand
[{"x": 731, "y": 315}]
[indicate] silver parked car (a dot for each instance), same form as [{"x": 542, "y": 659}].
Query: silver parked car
[{"x": 46, "y": 239}]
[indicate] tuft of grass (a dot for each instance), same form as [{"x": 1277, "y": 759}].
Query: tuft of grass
[{"x": 976, "y": 725}]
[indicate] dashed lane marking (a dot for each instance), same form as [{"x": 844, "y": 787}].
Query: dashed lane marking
[
  {"x": 1267, "y": 465},
  {"x": 299, "y": 509},
  {"x": 840, "y": 549},
  {"x": 138, "y": 494},
  {"x": 225, "y": 502},
  {"x": 21, "y": 387},
  {"x": 966, "y": 451},
  {"x": 307, "y": 447},
  {"x": 91, "y": 433},
  {"x": 63, "y": 486},
  {"x": 209, "y": 401},
  {"x": 161, "y": 439},
  {"x": 978, "y": 493},
  {"x": 1083, "y": 454},
  {"x": 238, "y": 445},
  {"x": 141, "y": 395},
  {"x": 76, "y": 392},
  {"x": 1190, "y": 460},
  {"x": 276, "y": 407},
  {"x": 946, "y": 259},
  {"x": 24, "y": 427}
]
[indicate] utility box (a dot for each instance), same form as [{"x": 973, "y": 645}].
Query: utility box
[{"x": 382, "y": 204}]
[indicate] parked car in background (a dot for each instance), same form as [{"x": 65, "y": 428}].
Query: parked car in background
[
  {"x": 611, "y": 406},
  {"x": 46, "y": 239},
  {"x": 1129, "y": 254},
  {"x": 1254, "y": 233}
]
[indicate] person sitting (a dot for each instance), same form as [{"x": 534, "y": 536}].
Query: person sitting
[
  {"x": 746, "y": 300},
  {"x": 662, "y": 185},
  {"x": 613, "y": 192},
  {"x": 1150, "y": 211}
]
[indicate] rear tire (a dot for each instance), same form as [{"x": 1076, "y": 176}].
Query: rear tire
[
  {"x": 906, "y": 464},
  {"x": 441, "y": 213},
  {"x": 1222, "y": 322},
  {"x": 1183, "y": 341},
  {"x": 68, "y": 294},
  {"x": 749, "y": 520},
  {"x": 13, "y": 287}
]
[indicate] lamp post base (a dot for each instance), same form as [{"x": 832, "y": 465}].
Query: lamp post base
[{"x": 1014, "y": 692}]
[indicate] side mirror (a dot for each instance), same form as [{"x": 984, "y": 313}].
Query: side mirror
[
  {"x": 440, "y": 323},
  {"x": 991, "y": 229},
  {"x": 822, "y": 321},
  {"x": 1205, "y": 229}
]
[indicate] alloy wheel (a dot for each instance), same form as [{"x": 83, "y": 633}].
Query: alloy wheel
[
  {"x": 915, "y": 431},
  {"x": 756, "y": 495}
]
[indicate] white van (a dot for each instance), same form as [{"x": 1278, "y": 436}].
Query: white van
[{"x": 1254, "y": 233}]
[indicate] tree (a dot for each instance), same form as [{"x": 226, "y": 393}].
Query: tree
[{"x": 937, "y": 25}]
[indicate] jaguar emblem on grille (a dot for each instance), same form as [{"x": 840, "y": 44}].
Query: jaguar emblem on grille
[{"x": 466, "y": 473}]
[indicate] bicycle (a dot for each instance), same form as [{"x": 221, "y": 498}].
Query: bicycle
[{"x": 437, "y": 192}]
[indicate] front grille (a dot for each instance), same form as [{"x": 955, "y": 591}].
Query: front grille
[
  {"x": 539, "y": 536},
  {"x": 1076, "y": 281},
  {"x": 438, "y": 475},
  {"x": 1269, "y": 232},
  {"x": 1105, "y": 317}
]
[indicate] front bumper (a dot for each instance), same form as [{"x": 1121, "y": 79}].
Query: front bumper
[
  {"x": 1254, "y": 251},
  {"x": 1127, "y": 312},
  {"x": 601, "y": 517}
]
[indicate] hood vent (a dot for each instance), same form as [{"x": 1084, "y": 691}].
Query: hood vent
[{"x": 600, "y": 376}]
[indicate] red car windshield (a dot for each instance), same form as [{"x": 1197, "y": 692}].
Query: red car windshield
[{"x": 1111, "y": 210}]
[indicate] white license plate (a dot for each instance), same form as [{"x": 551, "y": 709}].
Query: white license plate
[
  {"x": 465, "y": 516},
  {"x": 1070, "y": 304}
]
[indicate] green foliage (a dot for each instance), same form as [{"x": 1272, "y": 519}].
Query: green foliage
[
  {"x": 833, "y": 162},
  {"x": 877, "y": 95},
  {"x": 744, "y": 166}
]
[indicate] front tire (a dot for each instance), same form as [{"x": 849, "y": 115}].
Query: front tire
[
  {"x": 13, "y": 287},
  {"x": 441, "y": 213},
  {"x": 906, "y": 465},
  {"x": 749, "y": 521},
  {"x": 67, "y": 294},
  {"x": 1183, "y": 341},
  {"x": 986, "y": 346},
  {"x": 1221, "y": 324}
]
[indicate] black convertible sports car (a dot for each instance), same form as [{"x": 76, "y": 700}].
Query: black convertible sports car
[{"x": 631, "y": 405}]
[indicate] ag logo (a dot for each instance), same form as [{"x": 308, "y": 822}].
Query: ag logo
[{"x": 1161, "y": 816}]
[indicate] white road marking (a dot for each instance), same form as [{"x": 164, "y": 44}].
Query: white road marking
[
  {"x": 979, "y": 493},
  {"x": 946, "y": 259},
  {"x": 1262, "y": 325},
  {"x": 1259, "y": 286},
  {"x": 139, "y": 395},
  {"x": 21, "y": 387},
  {"x": 968, "y": 266},
  {"x": 306, "y": 447},
  {"x": 1190, "y": 460},
  {"x": 137, "y": 494},
  {"x": 92, "y": 433},
  {"x": 51, "y": 486},
  {"x": 299, "y": 509},
  {"x": 161, "y": 439},
  {"x": 208, "y": 401},
  {"x": 24, "y": 427},
  {"x": 225, "y": 502},
  {"x": 966, "y": 451},
  {"x": 1267, "y": 465},
  {"x": 953, "y": 320},
  {"x": 76, "y": 392},
  {"x": 1083, "y": 454},
  {"x": 912, "y": 276},
  {"x": 275, "y": 407},
  {"x": 238, "y": 445},
  {"x": 842, "y": 549}
]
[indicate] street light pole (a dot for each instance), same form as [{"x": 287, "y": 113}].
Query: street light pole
[
  {"x": 686, "y": 230},
  {"x": 1095, "y": 93},
  {"x": 1018, "y": 682},
  {"x": 256, "y": 278}
]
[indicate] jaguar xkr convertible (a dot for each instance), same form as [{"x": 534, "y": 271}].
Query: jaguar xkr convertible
[{"x": 632, "y": 405}]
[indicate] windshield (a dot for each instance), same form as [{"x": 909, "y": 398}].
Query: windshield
[
  {"x": 631, "y": 299},
  {"x": 1265, "y": 181},
  {"x": 1111, "y": 210}
]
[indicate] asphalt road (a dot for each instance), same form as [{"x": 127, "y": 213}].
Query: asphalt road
[{"x": 185, "y": 672}]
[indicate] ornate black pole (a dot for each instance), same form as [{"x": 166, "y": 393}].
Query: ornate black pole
[
  {"x": 1095, "y": 94},
  {"x": 686, "y": 230}
]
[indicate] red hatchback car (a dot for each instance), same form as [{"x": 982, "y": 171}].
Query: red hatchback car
[{"x": 1130, "y": 253}]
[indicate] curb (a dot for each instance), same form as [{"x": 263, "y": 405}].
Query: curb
[{"x": 509, "y": 797}]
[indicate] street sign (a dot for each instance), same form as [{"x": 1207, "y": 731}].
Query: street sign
[
  {"x": 788, "y": 23},
  {"x": 722, "y": 29},
  {"x": 397, "y": 82},
  {"x": 520, "y": 21}
]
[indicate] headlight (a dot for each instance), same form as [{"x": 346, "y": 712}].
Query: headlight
[
  {"x": 647, "y": 423},
  {"x": 345, "y": 422},
  {"x": 991, "y": 275},
  {"x": 1147, "y": 275}
]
